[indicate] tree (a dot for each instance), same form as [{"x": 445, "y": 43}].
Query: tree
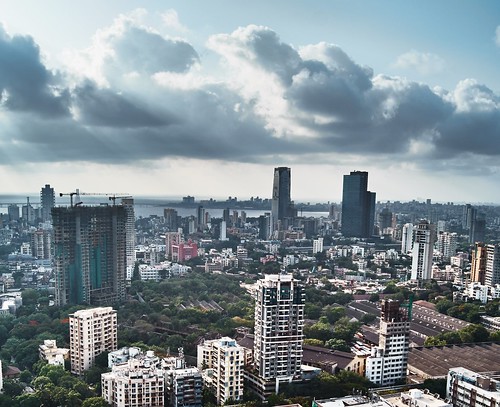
[
  {"x": 30, "y": 296},
  {"x": 334, "y": 313},
  {"x": 95, "y": 402}
]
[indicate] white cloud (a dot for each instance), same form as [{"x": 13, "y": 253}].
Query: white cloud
[
  {"x": 424, "y": 63},
  {"x": 171, "y": 20}
]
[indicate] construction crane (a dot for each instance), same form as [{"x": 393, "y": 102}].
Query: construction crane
[
  {"x": 78, "y": 193},
  {"x": 70, "y": 194},
  {"x": 114, "y": 198}
]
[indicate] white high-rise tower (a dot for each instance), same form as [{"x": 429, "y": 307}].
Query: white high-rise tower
[{"x": 423, "y": 247}]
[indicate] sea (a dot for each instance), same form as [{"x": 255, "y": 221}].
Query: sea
[{"x": 143, "y": 206}]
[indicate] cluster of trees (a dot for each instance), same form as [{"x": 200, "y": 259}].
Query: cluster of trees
[
  {"x": 52, "y": 386},
  {"x": 168, "y": 314},
  {"x": 470, "y": 312},
  {"x": 335, "y": 335},
  {"x": 470, "y": 334},
  {"x": 20, "y": 337}
]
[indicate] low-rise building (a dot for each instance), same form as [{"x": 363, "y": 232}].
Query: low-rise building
[{"x": 52, "y": 354}]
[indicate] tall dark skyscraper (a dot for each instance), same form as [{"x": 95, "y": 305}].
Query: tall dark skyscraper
[
  {"x": 281, "y": 206},
  {"x": 358, "y": 206},
  {"x": 90, "y": 244},
  {"x": 48, "y": 201}
]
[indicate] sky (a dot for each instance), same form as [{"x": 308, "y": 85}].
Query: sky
[{"x": 175, "y": 98}]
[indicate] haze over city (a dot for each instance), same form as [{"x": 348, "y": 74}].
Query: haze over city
[{"x": 206, "y": 98}]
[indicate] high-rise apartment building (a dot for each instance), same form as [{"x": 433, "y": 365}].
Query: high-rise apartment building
[
  {"x": 388, "y": 363},
  {"x": 48, "y": 201},
  {"x": 407, "y": 238},
  {"x": 358, "y": 206},
  {"x": 171, "y": 219},
  {"x": 279, "y": 325},
  {"x": 222, "y": 362},
  {"x": 41, "y": 243},
  {"x": 478, "y": 263},
  {"x": 13, "y": 211},
  {"x": 91, "y": 248},
  {"x": 265, "y": 226},
  {"x": 447, "y": 244},
  {"x": 492, "y": 266},
  {"x": 128, "y": 204},
  {"x": 91, "y": 332},
  {"x": 422, "y": 252},
  {"x": 281, "y": 204}
]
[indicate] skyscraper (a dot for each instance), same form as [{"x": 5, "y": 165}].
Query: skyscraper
[
  {"x": 90, "y": 253},
  {"x": 281, "y": 205},
  {"x": 48, "y": 201},
  {"x": 422, "y": 252},
  {"x": 279, "y": 325},
  {"x": 358, "y": 206},
  {"x": 492, "y": 266}
]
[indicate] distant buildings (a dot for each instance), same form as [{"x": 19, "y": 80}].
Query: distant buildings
[
  {"x": 48, "y": 201},
  {"x": 92, "y": 245},
  {"x": 91, "y": 332},
  {"x": 358, "y": 206},
  {"x": 422, "y": 252},
  {"x": 388, "y": 363}
]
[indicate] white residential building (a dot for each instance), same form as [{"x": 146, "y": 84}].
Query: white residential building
[
  {"x": 317, "y": 245},
  {"x": 222, "y": 362},
  {"x": 388, "y": 363},
  {"x": 407, "y": 238},
  {"x": 91, "y": 332},
  {"x": 52, "y": 354},
  {"x": 467, "y": 388},
  {"x": 422, "y": 252},
  {"x": 134, "y": 383}
]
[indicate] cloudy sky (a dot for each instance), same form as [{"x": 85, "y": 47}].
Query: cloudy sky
[{"x": 204, "y": 98}]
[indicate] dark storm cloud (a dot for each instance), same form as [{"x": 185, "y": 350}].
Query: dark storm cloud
[
  {"x": 276, "y": 104},
  {"x": 349, "y": 110},
  {"x": 104, "y": 107},
  {"x": 25, "y": 83}
]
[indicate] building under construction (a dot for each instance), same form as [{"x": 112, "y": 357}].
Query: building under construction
[{"x": 91, "y": 244}]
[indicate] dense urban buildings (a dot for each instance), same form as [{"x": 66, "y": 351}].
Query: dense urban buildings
[
  {"x": 91, "y": 332},
  {"x": 358, "y": 206},
  {"x": 91, "y": 251},
  {"x": 422, "y": 252},
  {"x": 281, "y": 205},
  {"x": 388, "y": 362}
]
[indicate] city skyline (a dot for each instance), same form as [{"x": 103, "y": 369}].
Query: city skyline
[{"x": 207, "y": 98}]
